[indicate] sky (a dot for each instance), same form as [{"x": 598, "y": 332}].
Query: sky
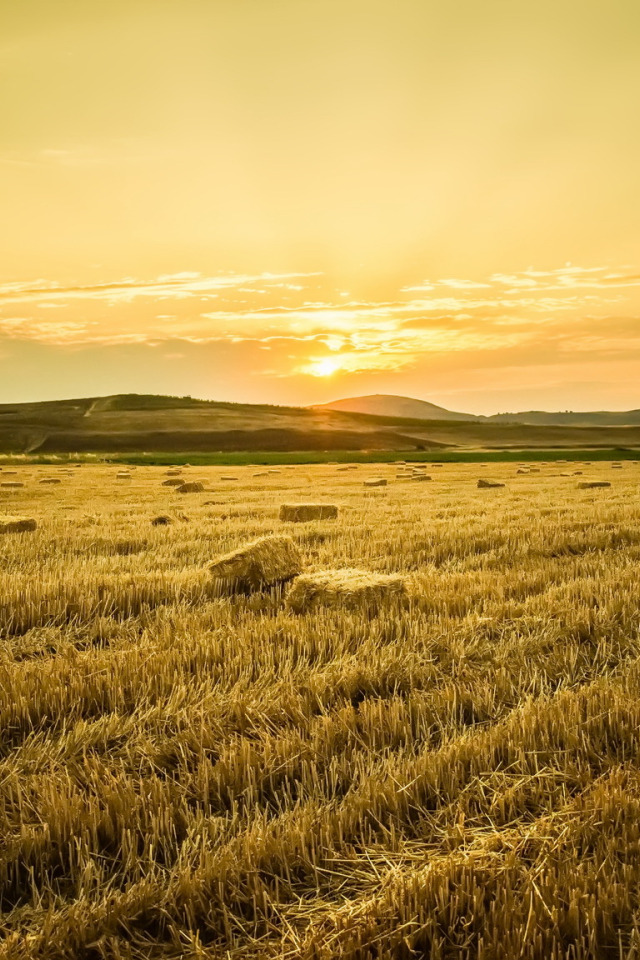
[{"x": 292, "y": 201}]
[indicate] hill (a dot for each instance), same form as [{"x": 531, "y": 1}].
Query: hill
[
  {"x": 599, "y": 418},
  {"x": 384, "y": 405},
  {"x": 137, "y": 423},
  {"x": 388, "y": 405}
]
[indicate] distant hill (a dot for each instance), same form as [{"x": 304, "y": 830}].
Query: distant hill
[
  {"x": 383, "y": 405},
  {"x": 133, "y": 423},
  {"x": 595, "y": 418},
  {"x": 387, "y": 405}
]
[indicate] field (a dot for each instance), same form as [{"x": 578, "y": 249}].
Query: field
[{"x": 454, "y": 774}]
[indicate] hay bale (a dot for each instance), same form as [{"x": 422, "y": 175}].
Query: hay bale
[
  {"x": 592, "y": 484},
  {"x": 303, "y": 512},
  {"x": 267, "y": 562},
  {"x": 616, "y": 466},
  {"x": 376, "y": 482},
  {"x": 523, "y": 471},
  {"x": 123, "y": 475},
  {"x": 173, "y": 482},
  {"x": 485, "y": 484},
  {"x": 12, "y": 483},
  {"x": 228, "y": 478},
  {"x": 50, "y": 480},
  {"x": 161, "y": 521},
  {"x": 191, "y": 486},
  {"x": 347, "y": 588},
  {"x": 17, "y": 524},
  {"x": 173, "y": 473},
  {"x": 420, "y": 476}
]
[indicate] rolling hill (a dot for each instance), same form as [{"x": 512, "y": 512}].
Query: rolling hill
[
  {"x": 133, "y": 423},
  {"x": 384, "y": 405}
]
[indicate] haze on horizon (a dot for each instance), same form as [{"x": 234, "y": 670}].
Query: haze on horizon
[{"x": 291, "y": 201}]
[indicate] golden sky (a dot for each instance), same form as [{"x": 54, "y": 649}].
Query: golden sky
[{"x": 296, "y": 200}]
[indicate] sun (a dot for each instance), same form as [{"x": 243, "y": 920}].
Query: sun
[{"x": 325, "y": 366}]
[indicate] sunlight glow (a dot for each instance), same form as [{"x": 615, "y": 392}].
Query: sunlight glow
[{"x": 324, "y": 366}]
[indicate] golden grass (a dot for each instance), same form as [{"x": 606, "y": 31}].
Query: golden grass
[{"x": 184, "y": 774}]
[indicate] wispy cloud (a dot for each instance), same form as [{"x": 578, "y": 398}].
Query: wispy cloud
[
  {"x": 307, "y": 327},
  {"x": 170, "y": 286}
]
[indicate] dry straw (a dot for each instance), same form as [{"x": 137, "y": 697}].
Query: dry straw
[
  {"x": 592, "y": 484},
  {"x": 266, "y": 562},
  {"x": 302, "y": 512},
  {"x": 347, "y": 588}
]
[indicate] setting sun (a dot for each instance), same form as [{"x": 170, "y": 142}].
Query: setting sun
[{"x": 324, "y": 367}]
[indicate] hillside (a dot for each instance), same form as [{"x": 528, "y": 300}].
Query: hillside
[
  {"x": 383, "y": 405},
  {"x": 134, "y": 423}
]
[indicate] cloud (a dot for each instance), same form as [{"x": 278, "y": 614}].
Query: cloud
[
  {"x": 294, "y": 327},
  {"x": 178, "y": 285}
]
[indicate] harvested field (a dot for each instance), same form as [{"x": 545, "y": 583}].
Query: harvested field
[{"x": 189, "y": 774}]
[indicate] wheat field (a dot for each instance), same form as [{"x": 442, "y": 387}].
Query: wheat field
[{"x": 453, "y": 774}]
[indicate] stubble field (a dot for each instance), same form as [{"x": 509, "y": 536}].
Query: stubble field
[{"x": 454, "y": 774}]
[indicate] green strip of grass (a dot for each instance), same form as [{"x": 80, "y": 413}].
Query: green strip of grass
[{"x": 342, "y": 456}]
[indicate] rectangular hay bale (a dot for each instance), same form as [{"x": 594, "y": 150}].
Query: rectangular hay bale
[
  {"x": 266, "y": 562},
  {"x": 304, "y": 512},
  {"x": 345, "y": 589}
]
